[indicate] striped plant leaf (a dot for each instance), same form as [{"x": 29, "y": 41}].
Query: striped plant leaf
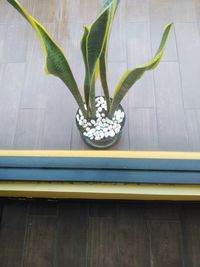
[
  {"x": 55, "y": 61},
  {"x": 94, "y": 45},
  {"x": 104, "y": 54},
  {"x": 131, "y": 76},
  {"x": 87, "y": 77}
]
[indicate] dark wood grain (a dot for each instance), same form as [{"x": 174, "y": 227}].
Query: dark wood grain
[
  {"x": 12, "y": 234},
  {"x": 165, "y": 239},
  {"x": 191, "y": 232},
  {"x": 72, "y": 234},
  {"x": 132, "y": 236},
  {"x": 102, "y": 249},
  {"x": 39, "y": 243},
  {"x": 99, "y": 233}
]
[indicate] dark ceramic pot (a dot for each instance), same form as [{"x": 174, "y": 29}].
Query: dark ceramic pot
[{"x": 105, "y": 142}]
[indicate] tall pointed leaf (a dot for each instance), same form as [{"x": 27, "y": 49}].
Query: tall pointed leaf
[
  {"x": 131, "y": 76},
  {"x": 94, "y": 45},
  {"x": 87, "y": 76},
  {"x": 56, "y": 63},
  {"x": 103, "y": 57},
  {"x": 96, "y": 38}
]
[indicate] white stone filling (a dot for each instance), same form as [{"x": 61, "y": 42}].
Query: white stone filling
[{"x": 102, "y": 127}]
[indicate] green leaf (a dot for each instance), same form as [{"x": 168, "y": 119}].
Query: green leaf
[
  {"x": 131, "y": 76},
  {"x": 94, "y": 46},
  {"x": 56, "y": 63},
  {"x": 95, "y": 40},
  {"x": 87, "y": 77},
  {"x": 103, "y": 57}
]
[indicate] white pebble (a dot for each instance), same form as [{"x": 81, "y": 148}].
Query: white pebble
[
  {"x": 98, "y": 128},
  {"x": 122, "y": 115},
  {"x": 99, "y": 109},
  {"x": 101, "y": 99},
  {"x": 87, "y": 129},
  {"x": 80, "y": 112},
  {"x": 110, "y": 127},
  {"x": 118, "y": 117},
  {"x": 93, "y": 121},
  {"x": 111, "y": 133},
  {"x": 85, "y": 134},
  {"x": 92, "y": 131},
  {"x": 106, "y": 134},
  {"x": 101, "y": 133},
  {"x": 117, "y": 130},
  {"x": 77, "y": 117}
]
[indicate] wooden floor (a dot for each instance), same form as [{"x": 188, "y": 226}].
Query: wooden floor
[
  {"x": 99, "y": 234},
  {"x": 163, "y": 110}
]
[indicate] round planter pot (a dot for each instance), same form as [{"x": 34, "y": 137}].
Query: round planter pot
[{"x": 91, "y": 125}]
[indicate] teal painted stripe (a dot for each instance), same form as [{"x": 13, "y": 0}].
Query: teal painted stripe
[
  {"x": 100, "y": 163},
  {"x": 84, "y": 175}
]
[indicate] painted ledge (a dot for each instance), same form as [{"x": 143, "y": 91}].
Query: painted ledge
[{"x": 100, "y": 175}]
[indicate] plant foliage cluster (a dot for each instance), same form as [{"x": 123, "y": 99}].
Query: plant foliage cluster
[{"x": 94, "y": 47}]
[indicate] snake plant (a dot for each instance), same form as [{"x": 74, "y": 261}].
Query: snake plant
[{"x": 94, "y": 47}]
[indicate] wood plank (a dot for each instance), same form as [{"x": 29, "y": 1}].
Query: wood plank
[
  {"x": 190, "y": 221},
  {"x": 36, "y": 83},
  {"x": 86, "y": 17},
  {"x": 193, "y": 128},
  {"x": 15, "y": 51},
  {"x": 39, "y": 242},
  {"x": 183, "y": 10},
  {"x": 132, "y": 235},
  {"x": 141, "y": 95},
  {"x": 44, "y": 11},
  {"x": 43, "y": 208},
  {"x": 29, "y": 130},
  {"x": 12, "y": 233},
  {"x": 3, "y": 30},
  {"x": 117, "y": 46},
  {"x": 161, "y": 211},
  {"x": 170, "y": 113},
  {"x": 59, "y": 116},
  {"x": 102, "y": 209},
  {"x": 137, "y": 11},
  {"x": 188, "y": 41},
  {"x": 10, "y": 92},
  {"x": 102, "y": 249},
  {"x": 143, "y": 129},
  {"x": 165, "y": 240},
  {"x": 72, "y": 234},
  {"x": 160, "y": 15}
]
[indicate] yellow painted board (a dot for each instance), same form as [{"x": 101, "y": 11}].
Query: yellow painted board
[
  {"x": 100, "y": 191},
  {"x": 101, "y": 154}
]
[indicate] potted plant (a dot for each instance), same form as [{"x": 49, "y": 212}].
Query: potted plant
[{"x": 99, "y": 119}]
